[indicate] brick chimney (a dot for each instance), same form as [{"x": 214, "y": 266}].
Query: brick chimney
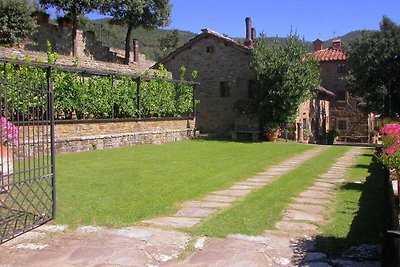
[
  {"x": 337, "y": 43},
  {"x": 136, "y": 51},
  {"x": 318, "y": 45},
  {"x": 248, "y": 42},
  {"x": 253, "y": 34}
]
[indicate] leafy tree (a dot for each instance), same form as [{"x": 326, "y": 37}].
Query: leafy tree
[
  {"x": 134, "y": 13},
  {"x": 374, "y": 69},
  {"x": 72, "y": 8},
  {"x": 168, "y": 43},
  {"x": 287, "y": 78},
  {"x": 15, "y": 20}
]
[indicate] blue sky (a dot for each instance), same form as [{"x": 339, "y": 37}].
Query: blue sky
[{"x": 310, "y": 18}]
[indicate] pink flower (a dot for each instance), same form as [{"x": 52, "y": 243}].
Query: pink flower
[
  {"x": 390, "y": 151},
  {"x": 9, "y": 132},
  {"x": 390, "y": 129}
]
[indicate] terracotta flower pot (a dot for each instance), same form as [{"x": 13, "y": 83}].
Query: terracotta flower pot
[
  {"x": 6, "y": 168},
  {"x": 272, "y": 135}
]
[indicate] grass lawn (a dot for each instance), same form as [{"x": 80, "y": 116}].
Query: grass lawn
[
  {"x": 356, "y": 216},
  {"x": 118, "y": 187},
  {"x": 262, "y": 209}
]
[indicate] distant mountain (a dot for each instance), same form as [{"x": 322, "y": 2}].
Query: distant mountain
[{"x": 114, "y": 36}]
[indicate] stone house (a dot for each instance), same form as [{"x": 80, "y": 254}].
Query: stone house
[
  {"x": 225, "y": 77},
  {"x": 354, "y": 125}
]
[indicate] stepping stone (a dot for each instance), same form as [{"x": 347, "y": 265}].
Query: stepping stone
[
  {"x": 308, "y": 208},
  {"x": 258, "y": 180},
  {"x": 242, "y": 187},
  {"x": 195, "y": 212},
  {"x": 295, "y": 226},
  {"x": 324, "y": 184},
  {"x": 302, "y": 216},
  {"x": 250, "y": 184},
  {"x": 175, "y": 222},
  {"x": 321, "y": 188},
  {"x": 203, "y": 204},
  {"x": 311, "y": 200},
  {"x": 255, "y": 239},
  {"x": 225, "y": 199},
  {"x": 315, "y": 194},
  {"x": 229, "y": 192},
  {"x": 331, "y": 180}
]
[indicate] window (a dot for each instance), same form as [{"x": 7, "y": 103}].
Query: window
[
  {"x": 254, "y": 89},
  {"x": 342, "y": 124},
  {"x": 341, "y": 67},
  {"x": 210, "y": 49},
  {"x": 341, "y": 96},
  {"x": 304, "y": 124},
  {"x": 224, "y": 89}
]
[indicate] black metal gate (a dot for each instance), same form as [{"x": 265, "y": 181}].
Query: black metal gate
[{"x": 27, "y": 179}]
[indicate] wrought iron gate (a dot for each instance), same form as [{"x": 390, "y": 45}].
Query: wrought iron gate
[{"x": 27, "y": 178}]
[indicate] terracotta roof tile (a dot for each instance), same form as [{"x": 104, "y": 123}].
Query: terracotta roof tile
[{"x": 330, "y": 54}]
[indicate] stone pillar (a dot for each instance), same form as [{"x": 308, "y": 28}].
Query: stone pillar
[{"x": 136, "y": 51}]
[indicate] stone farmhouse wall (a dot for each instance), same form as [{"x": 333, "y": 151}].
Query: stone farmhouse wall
[
  {"x": 343, "y": 109},
  {"x": 215, "y": 62},
  {"x": 74, "y": 136}
]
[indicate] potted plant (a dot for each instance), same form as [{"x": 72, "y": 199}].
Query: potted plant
[
  {"x": 9, "y": 138},
  {"x": 307, "y": 134},
  {"x": 272, "y": 131},
  {"x": 331, "y": 135},
  {"x": 40, "y": 16}
]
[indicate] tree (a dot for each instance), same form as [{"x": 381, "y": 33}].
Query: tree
[
  {"x": 287, "y": 78},
  {"x": 15, "y": 20},
  {"x": 374, "y": 69},
  {"x": 134, "y": 13},
  {"x": 167, "y": 44},
  {"x": 73, "y": 8}
]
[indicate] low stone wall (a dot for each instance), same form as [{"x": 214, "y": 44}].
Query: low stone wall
[{"x": 91, "y": 135}]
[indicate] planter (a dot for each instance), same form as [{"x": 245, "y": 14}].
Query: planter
[
  {"x": 6, "y": 168},
  {"x": 306, "y": 140},
  {"x": 272, "y": 135}
]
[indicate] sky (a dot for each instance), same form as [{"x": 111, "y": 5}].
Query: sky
[{"x": 311, "y": 19}]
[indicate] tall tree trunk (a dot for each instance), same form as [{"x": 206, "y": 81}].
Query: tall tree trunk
[{"x": 128, "y": 44}]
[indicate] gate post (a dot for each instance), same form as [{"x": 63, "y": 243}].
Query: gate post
[{"x": 50, "y": 99}]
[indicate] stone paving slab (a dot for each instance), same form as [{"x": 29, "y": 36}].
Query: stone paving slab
[
  {"x": 174, "y": 222},
  {"x": 204, "y": 204},
  {"x": 195, "y": 212},
  {"x": 259, "y": 180},
  {"x": 308, "y": 208},
  {"x": 295, "y": 226},
  {"x": 315, "y": 194},
  {"x": 302, "y": 216},
  {"x": 229, "y": 192},
  {"x": 250, "y": 184},
  {"x": 322, "y": 188},
  {"x": 242, "y": 187},
  {"x": 311, "y": 200},
  {"x": 217, "y": 198},
  {"x": 325, "y": 184},
  {"x": 134, "y": 246}
]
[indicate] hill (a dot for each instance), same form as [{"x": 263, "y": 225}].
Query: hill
[{"x": 114, "y": 36}]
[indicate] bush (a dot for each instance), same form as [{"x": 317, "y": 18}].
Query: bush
[{"x": 15, "y": 20}]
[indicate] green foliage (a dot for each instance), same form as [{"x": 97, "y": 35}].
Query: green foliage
[
  {"x": 374, "y": 63},
  {"x": 167, "y": 44},
  {"x": 15, "y": 20},
  {"x": 148, "y": 14},
  {"x": 286, "y": 78},
  {"x": 97, "y": 97},
  {"x": 331, "y": 135}
]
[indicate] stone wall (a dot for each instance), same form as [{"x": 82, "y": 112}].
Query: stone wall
[
  {"x": 215, "y": 62},
  {"x": 346, "y": 109},
  {"x": 73, "y": 136}
]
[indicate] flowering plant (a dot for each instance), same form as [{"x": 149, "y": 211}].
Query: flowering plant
[
  {"x": 390, "y": 156},
  {"x": 9, "y": 132}
]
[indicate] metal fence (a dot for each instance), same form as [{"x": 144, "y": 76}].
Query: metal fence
[{"x": 27, "y": 170}]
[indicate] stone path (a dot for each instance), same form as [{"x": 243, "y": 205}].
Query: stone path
[
  {"x": 291, "y": 244},
  {"x": 293, "y": 241},
  {"x": 192, "y": 212}
]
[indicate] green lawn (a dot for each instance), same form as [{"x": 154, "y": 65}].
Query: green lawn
[
  {"x": 263, "y": 208},
  {"x": 356, "y": 216},
  {"x": 118, "y": 187}
]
